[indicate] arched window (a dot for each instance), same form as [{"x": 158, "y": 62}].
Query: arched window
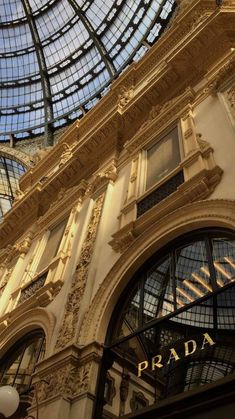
[
  {"x": 10, "y": 172},
  {"x": 18, "y": 364},
  {"x": 172, "y": 329}
]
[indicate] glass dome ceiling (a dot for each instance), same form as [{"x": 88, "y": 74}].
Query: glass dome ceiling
[{"x": 58, "y": 57}]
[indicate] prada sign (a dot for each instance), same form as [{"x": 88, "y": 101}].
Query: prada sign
[{"x": 188, "y": 348}]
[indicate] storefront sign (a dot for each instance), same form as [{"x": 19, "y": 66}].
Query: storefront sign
[{"x": 189, "y": 347}]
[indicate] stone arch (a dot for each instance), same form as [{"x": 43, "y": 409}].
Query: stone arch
[
  {"x": 202, "y": 214},
  {"x": 17, "y": 155},
  {"x": 25, "y": 323}
]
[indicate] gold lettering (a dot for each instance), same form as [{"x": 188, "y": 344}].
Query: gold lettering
[
  {"x": 142, "y": 366},
  {"x": 158, "y": 363},
  {"x": 190, "y": 347},
  {"x": 207, "y": 340},
  {"x": 186, "y": 347},
  {"x": 173, "y": 355}
]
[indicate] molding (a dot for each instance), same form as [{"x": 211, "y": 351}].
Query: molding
[
  {"x": 201, "y": 174},
  {"x": 41, "y": 298},
  {"x": 64, "y": 202},
  {"x": 200, "y": 37},
  {"x": 19, "y": 156},
  {"x": 160, "y": 117},
  {"x": 67, "y": 373},
  {"x": 201, "y": 214},
  {"x": 197, "y": 188},
  {"x": 14, "y": 327},
  {"x": 67, "y": 329}
]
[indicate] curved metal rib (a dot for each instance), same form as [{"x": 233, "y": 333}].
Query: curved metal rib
[
  {"x": 46, "y": 88},
  {"x": 99, "y": 45}
]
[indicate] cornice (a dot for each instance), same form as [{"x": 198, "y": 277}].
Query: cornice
[
  {"x": 65, "y": 200},
  {"x": 197, "y": 188},
  {"x": 158, "y": 118},
  {"x": 218, "y": 212},
  {"x": 18, "y": 155},
  {"x": 199, "y": 37},
  {"x": 136, "y": 83}
]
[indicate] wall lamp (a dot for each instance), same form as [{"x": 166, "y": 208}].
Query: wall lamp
[{"x": 9, "y": 402}]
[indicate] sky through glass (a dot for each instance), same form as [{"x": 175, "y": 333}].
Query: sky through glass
[{"x": 58, "y": 57}]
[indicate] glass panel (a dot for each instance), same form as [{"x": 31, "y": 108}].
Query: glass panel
[
  {"x": 191, "y": 273},
  {"x": 181, "y": 350},
  {"x": 225, "y": 309},
  {"x": 10, "y": 172},
  {"x": 158, "y": 292},
  {"x": 200, "y": 373},
  {"x": 200, "y": 315},
  {"x": 18, "y": 367},
  {"x": 174, "y": 356},
  {"x": 224, "y": 260},
  {"x": 52, "y": 245},
  {"x": 130, "y": 316},
  {"x": 8, "y": 377},
  {"x": 27, "y": 365},
  {"x": 86, "y": 44},
  {"x": 162, "y": 158}
]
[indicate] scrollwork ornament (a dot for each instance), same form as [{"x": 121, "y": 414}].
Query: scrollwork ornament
[
  {"x": 68, "y": 328},
  {"x": 67, "y": 380},
  {"x": 125, "y": 95},
  {"x": 66, "y": 155},
  {"x": 230, "y": 97}
]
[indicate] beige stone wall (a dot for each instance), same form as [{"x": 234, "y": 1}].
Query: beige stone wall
[{"x": 93, "y": 177}]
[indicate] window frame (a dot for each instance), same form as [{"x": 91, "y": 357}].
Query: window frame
[
  {"x": 20, "y": 347},
  {"x": 160, "y": 254},
  {"x": 143, "y": 190}
]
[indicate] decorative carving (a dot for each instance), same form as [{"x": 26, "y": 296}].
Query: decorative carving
[
  {"x": 122, "y": 239},
  {"x": 8, "y": 254},
  {"x": 124, "y": 387},
  {"x": 188, "y": 133},
  {"x": 7, "y": 275},
  {"x": 24, "y": 246},
  {"x": 123, "y": 391},
  {"x": 158, "y": 116},
  {"x": 67, "y": 330},
  {"x": 203, "y": 145},
  {"x": 155, "y": 111},
  {"x": 125, "y": 96},
  {"x": 20, "y": 156},
  {"x": 101, "y": 178},
  {"x": 221, "y": 76},
  {"x": 32, "y": 288},
  {"x": 67, "y": 380},
  {"x": 66, "y": 155},
  {"x": 18, "y": 195},
  {"x": 138, "y": 401},
  {"x": 65, "y": 199},
  {"x": 41, "y": 153},
  {"x": 230, "y": 98},
  {"x": 110, "y": 391}
]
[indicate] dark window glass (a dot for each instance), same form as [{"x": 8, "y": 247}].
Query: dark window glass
[
  {"x": 19, "y": 363},
  {"x": 52, "y": 245},
  {"x": 162, "y": 158},
  {"x": 10, "y": 172},
  {"x": 172, "y": 330},
  {"x": 191, "y": 273}
]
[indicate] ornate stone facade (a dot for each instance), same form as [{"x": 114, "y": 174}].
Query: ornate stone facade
[
  {"x": 93, "y": 181},
  {"x": 67, "y": 330}
]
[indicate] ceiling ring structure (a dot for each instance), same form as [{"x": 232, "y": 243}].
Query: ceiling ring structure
[{"x": 59, "y": 57}]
